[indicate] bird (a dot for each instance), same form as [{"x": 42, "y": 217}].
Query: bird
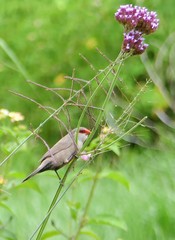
[{"x": 62, "y": 152}]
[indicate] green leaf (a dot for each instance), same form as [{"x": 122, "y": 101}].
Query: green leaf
[
  {"x": 30, "y": 184},
  {"x": 109, "y": 220},
  {"x": 114, "y": 148},
  {"x": 50, "y": 234},
  {"x": 74, "y": 207},
  {"x": 3, "y": 205},
  {"x": 7, "y": 235},
  {"x": 90, "y": 233},
  {"x": 93, "y": 144},
  {"x": 116, "y": 176}
]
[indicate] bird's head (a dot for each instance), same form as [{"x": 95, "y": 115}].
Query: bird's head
[{"x": 81, "y": 135}]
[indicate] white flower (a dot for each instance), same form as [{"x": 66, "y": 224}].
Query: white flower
[
  {"x": 16, "y": 116},
  {"x": 3, "y": 113}
]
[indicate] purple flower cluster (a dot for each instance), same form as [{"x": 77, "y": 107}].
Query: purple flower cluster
[
  {"x": 138, "y": 18},
  {"x": 137, "y": 21},
  {"x": 134, "y": 42}
]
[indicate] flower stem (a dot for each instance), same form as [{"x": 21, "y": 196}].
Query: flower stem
[
  {"x": 120, "y": 59},
  {"x": 83, "y": 218}
]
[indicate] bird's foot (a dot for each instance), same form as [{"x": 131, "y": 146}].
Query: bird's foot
[
  {"x": 60, "y": 179},
  {"x": 61, "y": 183}
]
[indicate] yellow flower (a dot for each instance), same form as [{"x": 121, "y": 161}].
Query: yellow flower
[
  {"x": 59, "y": 79},
  {"x": 2, "y": 180},
  {"x": 91, "y": 43},
  {"x": 105, "y": 131}
]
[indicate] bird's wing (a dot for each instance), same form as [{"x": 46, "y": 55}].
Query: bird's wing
[{"x": 65, "y": 143}]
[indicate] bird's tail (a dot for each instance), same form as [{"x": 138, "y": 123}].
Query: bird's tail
[{"x": 42, "y": 167}]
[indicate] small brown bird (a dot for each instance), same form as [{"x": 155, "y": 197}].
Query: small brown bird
[{"x": 62, "y": 152}]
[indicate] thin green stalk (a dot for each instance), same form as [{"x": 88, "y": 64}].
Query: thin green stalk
[
  {"x": 100, "y": 115},
  {"x": 108, "y": 96},
  {"x": 14, "y": 58},
  {"x": 53, "y": 203},
  {"x": 82, "y": 221}
]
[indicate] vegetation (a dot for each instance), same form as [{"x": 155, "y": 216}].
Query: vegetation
[{"x": 126, "y": 190}]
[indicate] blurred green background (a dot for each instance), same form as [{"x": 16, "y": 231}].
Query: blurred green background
[{"x": 42, "y": 41}]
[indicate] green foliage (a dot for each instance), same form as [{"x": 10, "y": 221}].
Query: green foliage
[
  {"x": 110, "y": 220},
  {"x": 74, "y": 208},
  {"x": 50, "y": 234},
  {"x": 116, "y": 176},
  {"x": 90, "y": 234}
]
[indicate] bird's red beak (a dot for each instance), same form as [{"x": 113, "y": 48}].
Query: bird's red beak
[{"x": 86, "y": 131}]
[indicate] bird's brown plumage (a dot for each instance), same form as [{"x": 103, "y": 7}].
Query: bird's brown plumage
[{"x": 62, "y": 152}]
